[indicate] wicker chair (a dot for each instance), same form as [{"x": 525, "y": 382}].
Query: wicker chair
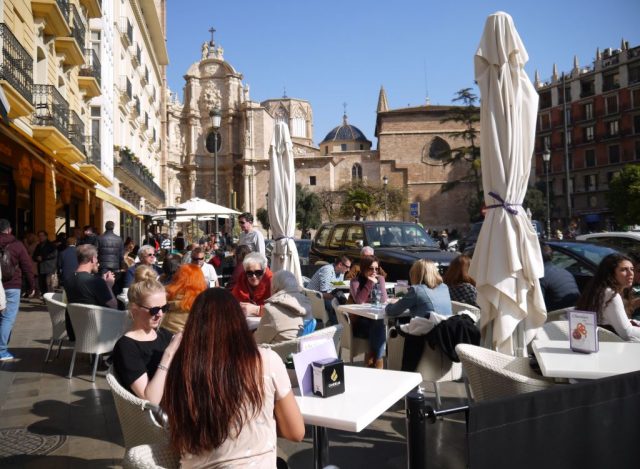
[
  {"x": 157, "y": 455},
  {"x": 137, "y": 421},
  {"x": 559, "y": 330},
  {"x": 355, "y": 345},
  {"x": 97, "y": 330},
  {"x": 286, "y": 348},
  {"x": 559, "y": 314},
  {"x": 56, "y": 309},
  {"x": 317, "y": 306},
  {"x": 493, "y": 374}
]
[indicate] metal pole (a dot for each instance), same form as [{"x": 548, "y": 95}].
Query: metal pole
[
  {"x": 215, "y": 182},
  {"x": 385, "y": 203},
  {"x": 546, "y": 170},
  {"x": 416, "y": 430},
  {"x": 566, "y": 149}
]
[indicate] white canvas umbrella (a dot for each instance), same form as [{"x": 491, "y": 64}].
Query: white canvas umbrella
[
  {"x": 282, "y": 202},
  {"x": 506, "y": 262},
  {"x": 201, "y": 207}
]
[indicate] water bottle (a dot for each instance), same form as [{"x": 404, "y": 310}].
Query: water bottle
[{"x": 376, "y": 295}]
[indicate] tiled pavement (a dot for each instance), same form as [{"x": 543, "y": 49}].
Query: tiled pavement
[{"x": 49, "y": 421}]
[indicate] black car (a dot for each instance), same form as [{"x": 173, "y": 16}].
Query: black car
[
  {"x": 468, "y": 243},
  {"x": 396, "y": 244}
]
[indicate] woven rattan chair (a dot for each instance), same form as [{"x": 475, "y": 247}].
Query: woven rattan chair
[
  {"x": 318, "y": 310},
  {"x": 355, "y": 345},
  {"x": 559, "y": 330},
  {"x": 137, "y": 416},
  {"x": 559, "y": 314},
  {"x": 286, "y": 348},
  {"x": 97, "y": 329},
  {"x": 153, "y": 456},
  {"x": 56, "y": 309},
  {"x": 493, "y": 374}
]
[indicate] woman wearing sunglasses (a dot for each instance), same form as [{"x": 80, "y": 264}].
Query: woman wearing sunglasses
[
  {"x": 363, "y": 289},
  {"x": 254, "y": 285},
  {"x": 141, "y": 357}
]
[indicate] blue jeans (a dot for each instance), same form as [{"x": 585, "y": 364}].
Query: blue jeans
[
  {"x": 375, "y": 331},
  {"x": 333, "y": 319},
  {"x": 8, "y": 317}
]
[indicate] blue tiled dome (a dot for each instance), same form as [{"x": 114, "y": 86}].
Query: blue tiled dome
[{"x": 346, "y": 132}]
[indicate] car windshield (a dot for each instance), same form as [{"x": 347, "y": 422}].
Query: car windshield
[
  {"x": 591, "y": 252},
  {"x": 409, "y": 235},
  {"x": 303, "y": 246}
]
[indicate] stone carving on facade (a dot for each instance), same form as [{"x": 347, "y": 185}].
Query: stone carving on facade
[
  {"x": 212, "y": 97},
  {"x": 205, "y": 50}
]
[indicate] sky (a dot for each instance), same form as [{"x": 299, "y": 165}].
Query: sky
[{"x": 332, "y": 52}]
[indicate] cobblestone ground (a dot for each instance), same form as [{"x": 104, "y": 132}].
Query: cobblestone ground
[{"x": 47, "y": 420}]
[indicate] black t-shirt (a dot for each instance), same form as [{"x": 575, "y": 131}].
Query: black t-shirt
[
  {"x": 133, "y": 358},
  {"x": 88, "y": 289}
]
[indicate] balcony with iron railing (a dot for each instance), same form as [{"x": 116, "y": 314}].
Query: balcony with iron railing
[
  {"x": 16, "y": 74},
  {"x": 51, "y": 109},
  {"x": 92, "y": 166},
  {"x": 71, "y": 46},
  {"x": 55, "y": 15},
  {"x": 90, "y": 76},
  {"x": 126, "y": 30},
  {"x": 76, "y": 131},
  {"x": 78, "y": 30},
  {"x": 138, "y": 175}
]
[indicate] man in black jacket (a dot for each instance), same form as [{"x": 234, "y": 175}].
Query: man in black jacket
[
  {"x": 111, "y": 256},
  {"x": 46, "y": 255},
  {"x": 558, "y": 286}
]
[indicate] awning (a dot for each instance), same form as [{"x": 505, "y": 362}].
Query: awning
[{"x": 117, "y": 201}]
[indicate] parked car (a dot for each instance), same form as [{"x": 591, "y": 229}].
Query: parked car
[
  {"x": 303, "y": 246},
  {"x": 397, "y": 244},
  {"x": 624, "y": 241},
  {"x": 468, "y": 243}
]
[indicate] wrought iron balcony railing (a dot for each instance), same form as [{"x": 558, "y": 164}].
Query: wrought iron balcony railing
[
  {"x": 78, "y": 29},
  {"x": 92, "y": 145},
  {"x": 16, "y": 65},
  {"x": 135, "y": 170},
  {"x": 76, "y": 131},
  {"x": 91, "y": 66},
  {"x": 64, "y": 9},
  {"x": 51, "y": 109}
]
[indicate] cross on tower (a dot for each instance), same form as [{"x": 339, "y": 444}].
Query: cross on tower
[{"x": 212, "y": 30}]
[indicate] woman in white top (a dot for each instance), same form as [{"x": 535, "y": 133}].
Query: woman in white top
[{"x": 604, "y": 296}]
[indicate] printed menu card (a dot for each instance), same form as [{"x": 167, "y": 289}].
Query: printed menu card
[{"x": 583, "y": 331}]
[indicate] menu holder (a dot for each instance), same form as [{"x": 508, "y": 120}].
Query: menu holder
[
  {"x": 583, "y": 331},
  {"x": 303, "y": 359}
]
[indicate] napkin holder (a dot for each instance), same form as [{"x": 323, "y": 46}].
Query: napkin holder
[{"x": 328, "y": 377}]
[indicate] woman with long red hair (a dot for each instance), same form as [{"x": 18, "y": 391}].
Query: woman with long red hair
[
  {"x": 187, "y": 283},
  {"x": 227, "y": 400}
]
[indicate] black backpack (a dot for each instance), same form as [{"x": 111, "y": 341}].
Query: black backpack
[{"x": 6, "y": 264}]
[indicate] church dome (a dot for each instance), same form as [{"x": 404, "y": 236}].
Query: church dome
[{"x": 345, "y": 132}]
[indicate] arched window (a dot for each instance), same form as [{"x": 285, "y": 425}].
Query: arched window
[
  {"x": 281, "y": 116},
  {"x": 439, "y": 149},
  {"x": 356, "y": 172},
  {"x": 299, "y": 124}
]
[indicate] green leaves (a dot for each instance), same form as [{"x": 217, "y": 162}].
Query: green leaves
[{"x": 624, "y": 195}]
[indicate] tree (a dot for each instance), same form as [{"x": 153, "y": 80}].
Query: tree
[
  {"x": 469, "y": 116},
  {"x": 329, "y": 201},
  {"x": 624, "y": 195},
  {"x": 535, "y": 201},
  {"x": 307, "y": 209},
  {"x": 362, "y": 200}
]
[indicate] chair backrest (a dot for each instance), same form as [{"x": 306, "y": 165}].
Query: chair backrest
[
  {"x": 559, "y": 314},
  {"x": 559, "y": 330},
  {"x": 345, "y": 322},
  {"x": 284, "y": 349},
  {"x": 136, "y": 416},
  {"x": 457, "y": 306},
  {"x": 155, "y": 455},
  {"x": 97, "y": 328},
  {"x": 56, "y": 309},
  {"x": 493, "y": 374},
  {"x": 318, "y": 310}
]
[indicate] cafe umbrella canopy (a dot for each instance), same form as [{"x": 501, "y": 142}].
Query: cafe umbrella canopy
[
  {"x": 507, "y": 262},
  {"x": 282, "y": 202}
]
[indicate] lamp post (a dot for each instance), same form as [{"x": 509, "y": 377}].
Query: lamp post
[
  {"x": 546, "y": 157},
  {"x": 385, "y": 181},
  {"x": 213, "y": 143},
  {"x": 171, "y": 214}
]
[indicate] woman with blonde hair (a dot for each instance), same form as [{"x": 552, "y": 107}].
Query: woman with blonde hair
[
  {"x": 188, "y": 282},
  {"x": 144, "y": 272},
  {"x": 142, "y": 356},
  {"x": 427, "y": 294},
  {"x": 462, "y": 287}
]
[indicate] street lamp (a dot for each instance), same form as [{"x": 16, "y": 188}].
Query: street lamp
[
  {"x": 546, "y": 157},
  {"x": 171, "y": 214},
  {"x": 213, "y": 144},
  {"x": 385, "y": 181}
]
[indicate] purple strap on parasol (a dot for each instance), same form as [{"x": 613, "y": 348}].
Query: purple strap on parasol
[{"x": 503, "y": 204}]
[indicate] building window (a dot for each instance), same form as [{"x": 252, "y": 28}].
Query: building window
[
  {"x": 614, "y": 154},
  {"x": 343, "y": 147},
  {"x": 591, "y": 182},
  {"x": 590, "y": 158},
  {"x": 611, "y": 103},
  {"x": 568, "y": 138},
  {"x": 637, "y": 149},
  {"x": 634, "y": 73},
  {"x": 545, "y": 121},
  {"x": 439, "y": 149},
  {"x": 613, "y": 128},
  {"x": 326, "y": 150},
  {"x": 587, "y": 88},
  {"x": 568, "y": 115},
  {"x": 611, "y": 175},
  {"x": 610, "y": 81},
  {"x": 546, "y": 142},
  {"x": 356, "y": 172},
  {"x": 635, "y": 98},
  {"x": 299, "y": 124},
  {"x": 588, "y": 111},
  {"x": 545, "y": 99},
  {"x": 589, "y": 134},
  {"x": 567, "y": 95},
  {"x": 361, "y": 146},
  {"x": 636, "y": 124},
  {"x": 312, "y": 180}
]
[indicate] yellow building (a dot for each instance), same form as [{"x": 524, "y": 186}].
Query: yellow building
[{"x": 49, "y": 165}]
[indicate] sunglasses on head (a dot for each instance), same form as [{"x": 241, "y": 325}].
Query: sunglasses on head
[
  {"x": 155, "y": 310},
  {"x": 255, "y": 273}
]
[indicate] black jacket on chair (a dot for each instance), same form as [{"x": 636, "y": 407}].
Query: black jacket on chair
[{"x": 110, "y": 251}]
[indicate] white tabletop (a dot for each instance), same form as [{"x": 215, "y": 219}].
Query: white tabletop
[
  {"x": 345, "y": 285},
  {"x": 368, "y": 394},
  {"x": 366, "y": 310},
  {"x": 557, "y": 360}
]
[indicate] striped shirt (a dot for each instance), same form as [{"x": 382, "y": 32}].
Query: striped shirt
[{"x": 321, "y": 280}]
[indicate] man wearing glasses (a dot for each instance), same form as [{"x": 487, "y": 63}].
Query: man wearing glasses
[
  {"x": 147, "y": 256},
  {"x": 210, "y": 275},
  {"x": 86, "y": 287},
  {"x": 323, "y": 279},
  {"x": 250, "y": 236}
]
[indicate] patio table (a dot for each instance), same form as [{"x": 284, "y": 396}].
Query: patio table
[
  {"x": 557, "y": 360},
  {"x": 368, "y": 394}
]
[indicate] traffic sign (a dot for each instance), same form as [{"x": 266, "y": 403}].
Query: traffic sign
[{"x": 414, "y": 209}]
